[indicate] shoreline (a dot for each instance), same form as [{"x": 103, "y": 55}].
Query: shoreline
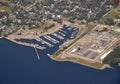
[
  {"x": 65, "y": 60},
  {"x": 19, "y": 43},
  {"x": 73, "y": 61},
  {"x": 29, "y": 34},
  {"x": 60, "y": 60},
  {"x": 1, "y": 37},
  {"x": 25, "y": 35}
]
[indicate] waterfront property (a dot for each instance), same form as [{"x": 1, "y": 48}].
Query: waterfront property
[
  {"x": 49, "y": 40},
  {"x": 93, "y": 47}
]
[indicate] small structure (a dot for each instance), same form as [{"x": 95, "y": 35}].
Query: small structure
[{"x": 74, "y": 50}]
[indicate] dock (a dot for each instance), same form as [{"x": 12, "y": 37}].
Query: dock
[
  {"x": 44, "y": 42},
  {"x": 62, "y": 31},
  {"x": 37, "y": 54},
  {"x": 59, "y": 32},
  {"x": 58, "y": 36},
  {"x": 51, "y": 39}
]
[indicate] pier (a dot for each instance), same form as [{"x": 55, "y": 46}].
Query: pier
[
  {"x": 37, "y": 54},
  {"x": 44, "y": 42},
  {"x": 61, "y": 33},
  {"x": 58, "y": 36},
  {"x": 51, "y": 39}
]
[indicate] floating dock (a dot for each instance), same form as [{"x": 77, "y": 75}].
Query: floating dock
[
  {"x": 59, "y": 32},
  {"x": 58, "y": 36},
  {"x": 62, "y": 31},
  {"x": 51, "y": 39},
  {"x": 44, "y": 42}
]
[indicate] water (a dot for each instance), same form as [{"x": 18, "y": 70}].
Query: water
[{"x": 19, "y": 65}]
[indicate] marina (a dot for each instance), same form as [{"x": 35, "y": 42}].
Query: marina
[
  {"x": 48, "y": 40},
  {"x": 59, "y": 41}
]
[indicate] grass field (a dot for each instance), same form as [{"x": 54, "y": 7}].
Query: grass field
[{"x": 44, "y": 25}]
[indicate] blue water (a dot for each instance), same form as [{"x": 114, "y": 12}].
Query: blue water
[{"x": 19, "y": 65}]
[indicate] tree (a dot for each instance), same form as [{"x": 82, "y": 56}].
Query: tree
[
  {"x": 113, "y": 57},
  {"x": 119, "y": 24},
  {"x": 109, "y": 21}
]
